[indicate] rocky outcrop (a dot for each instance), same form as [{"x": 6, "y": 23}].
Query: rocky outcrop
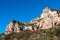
[
  {"x": 13, "y": 26},
  {"x": 49, "y": 18}
]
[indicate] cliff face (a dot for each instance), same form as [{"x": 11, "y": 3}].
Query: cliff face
[
  {"x": 49, "y": 18},
  {"x": 12, "y": 26}
]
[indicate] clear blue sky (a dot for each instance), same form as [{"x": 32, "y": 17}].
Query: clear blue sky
[{"x": 23, "y": 10}]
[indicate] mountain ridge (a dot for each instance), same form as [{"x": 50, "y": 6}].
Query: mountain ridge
[
  {"x": 48, "y": 18},
  {"x": 44, "y": 27}
]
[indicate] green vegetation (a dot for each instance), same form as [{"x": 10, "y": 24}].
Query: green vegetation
[{"x": 46, "y": 34}]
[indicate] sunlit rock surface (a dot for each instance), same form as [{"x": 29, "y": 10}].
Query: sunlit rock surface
[{"x": 48, "y": 19}]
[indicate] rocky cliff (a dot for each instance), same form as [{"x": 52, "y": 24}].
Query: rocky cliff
[{"x": 49, "y": 18}]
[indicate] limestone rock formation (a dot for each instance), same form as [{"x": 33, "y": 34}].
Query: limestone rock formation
[
  {"x": 13, "y": 26},
  {"x": 49, "y": 18}
]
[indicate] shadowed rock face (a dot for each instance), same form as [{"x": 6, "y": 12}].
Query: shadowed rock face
[{"x": 49, "y": 18}]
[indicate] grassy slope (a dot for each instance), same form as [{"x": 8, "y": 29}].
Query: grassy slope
[{"x": 48, "y": 34}]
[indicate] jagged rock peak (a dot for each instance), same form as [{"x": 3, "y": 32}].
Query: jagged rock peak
[
  {"x": 46, "y": 9},
  {"x": 49, "y": 18}
]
